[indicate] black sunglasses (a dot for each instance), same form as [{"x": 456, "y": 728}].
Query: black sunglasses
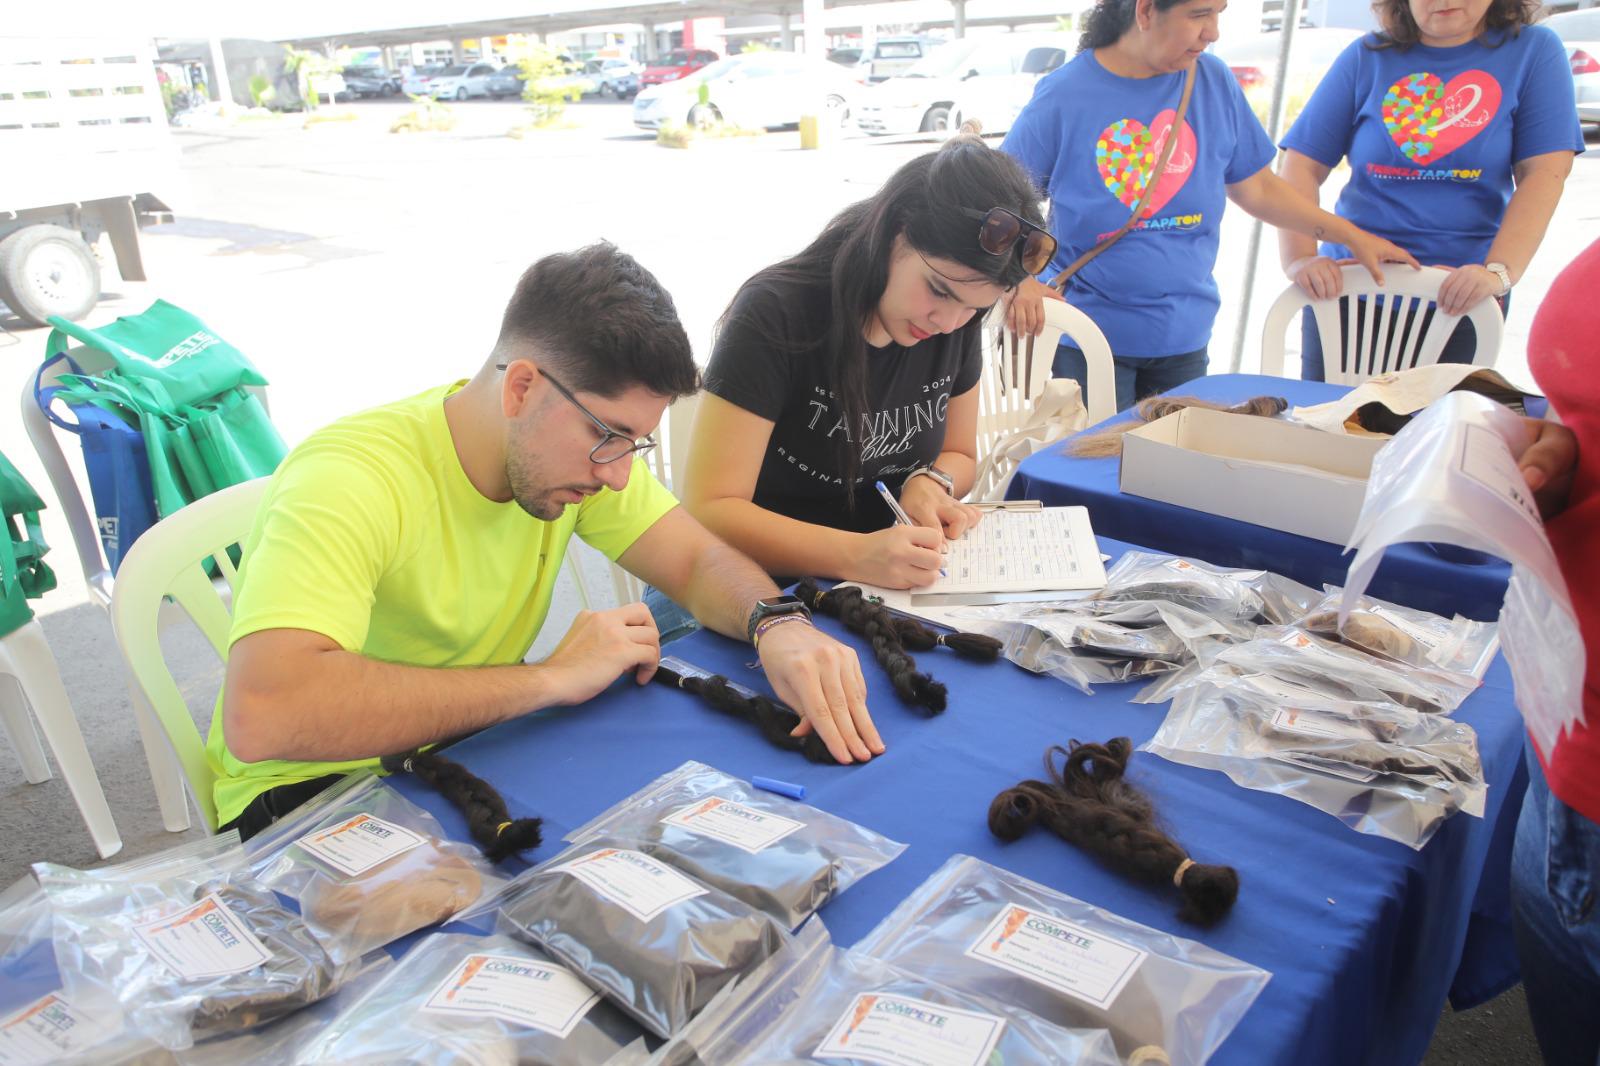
[
  {"x": 613, "y": 445},
  {"x": 1002, "y": 229}
]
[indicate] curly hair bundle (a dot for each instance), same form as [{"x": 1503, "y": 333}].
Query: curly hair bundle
[
  {"x": 1089, "y": 803},
  {"x": 490, "y": 823}
]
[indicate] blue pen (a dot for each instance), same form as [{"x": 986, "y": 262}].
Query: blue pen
[{"x": 900, "y": 516}]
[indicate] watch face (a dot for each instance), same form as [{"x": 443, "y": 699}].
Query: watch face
[{"x": 779, "y": 603}]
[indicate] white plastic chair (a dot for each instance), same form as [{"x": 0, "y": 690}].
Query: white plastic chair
[
  {"x": 35, "y": 683},
  {"x": 1362, "y": 338},
  {"x": 1015, "y": 376},
  {"x": 97, "y": 571},
  {"x": 169, "y": 560}
]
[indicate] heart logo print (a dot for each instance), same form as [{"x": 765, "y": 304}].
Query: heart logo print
[
  {"x": 1126, "y": 153},
  {"x": 1429, "y": 119}
]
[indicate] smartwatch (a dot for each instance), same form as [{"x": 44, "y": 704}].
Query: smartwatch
[
  {"x": 771, "y": 608},
  {"x": 945, "y": 481},
  {"x": 1499, "y": 270}
]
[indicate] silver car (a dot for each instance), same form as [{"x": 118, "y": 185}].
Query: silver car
[
  {"x": 1580, "y": 32},
  {"x": 462, "y": 81}
]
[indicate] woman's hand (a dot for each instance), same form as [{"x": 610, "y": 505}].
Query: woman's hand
[
  {"x": 1370, "y": 251},
  {"x": 1548, "y": 464},
  {"x": 1317, "y": 276},
  {"x": 925, "y": 500},
  {"x": 1025, "y": 311},
  {"x": 900, "y": 557},
  {"x": 1466, "y": 287}
]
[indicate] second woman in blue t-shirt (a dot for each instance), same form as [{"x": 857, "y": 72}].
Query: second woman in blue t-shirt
[{"x": 1090, "y": 136}]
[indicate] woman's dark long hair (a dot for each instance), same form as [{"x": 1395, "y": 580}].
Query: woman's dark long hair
[
  {"x": 1505, "y": 18},
  {"x": 1108, "y": 20},
  {"x": 927, "y": 200}
]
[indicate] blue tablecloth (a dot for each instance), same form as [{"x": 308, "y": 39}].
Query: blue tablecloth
[
  {"x": 1364, "y": 936},
  {"x": 1412, "y": 574}
]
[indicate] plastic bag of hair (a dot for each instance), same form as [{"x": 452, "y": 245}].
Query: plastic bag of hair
[
  {"x": 1255, "y": 596},
  {"x": 658, "y": 943},
  {"x": 367, "y": 866},
  {"x": 987, "y": 931},
  {"x": 39, "y": 1022},
  {"x": 779, "y": 856},
  {"x": 1451, "y": 476},
  {"x": 1377, "y": 767},
  {"x": 186, "y": 943},
  {"x": 1405, "y": 634},
  {"x": 279, "y": 1042},
  {"x": 813, "y": 1002},
  {"x": 1303, "y": 661},
  {"x": 1087, "y": 642},
  {"x": 487, "y": 1000}
]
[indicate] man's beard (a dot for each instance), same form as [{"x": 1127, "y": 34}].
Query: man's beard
[{"x": 531, "y": 494}]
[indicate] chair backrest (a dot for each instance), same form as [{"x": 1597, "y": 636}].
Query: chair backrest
[
  {"x": 666, "y": 462},
  {"x": 1371, "y": 330},
  {"x": 170, "y": 560}
]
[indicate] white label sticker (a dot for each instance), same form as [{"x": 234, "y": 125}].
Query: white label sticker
[
  {"x": 203, "y": 940},
  {"x": 1314, "y": 724},
  {"x": 1058, "y": 954},
  {"x": 47, "y": 1030},
  {"x": 516, "y": 991},
  {"x": 636, "y": 883},
  {"x": 900, "y": 1031},
  {"x": 1486, "y": 460},
  {"x": 1411, "y": 629},
  {"x": 359, "y": 843},
  {"x": 733, "y": 823}
]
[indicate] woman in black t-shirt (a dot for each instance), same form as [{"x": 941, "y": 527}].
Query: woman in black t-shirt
[{"x": 857, "y": 361}]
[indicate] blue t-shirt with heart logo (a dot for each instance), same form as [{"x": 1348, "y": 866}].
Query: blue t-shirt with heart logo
[
  {"x": 1432, "y": 135},
  {"x": 1090, "y": 139}
]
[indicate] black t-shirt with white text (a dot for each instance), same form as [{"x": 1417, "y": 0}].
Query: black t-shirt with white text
[{"x": 908, "y": 396}]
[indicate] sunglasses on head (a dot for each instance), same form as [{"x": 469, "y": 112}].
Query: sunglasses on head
[{"x": 1002, "y": 229}]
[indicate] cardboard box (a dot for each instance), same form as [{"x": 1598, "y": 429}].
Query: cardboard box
[{"x": 1261, "y": 470}]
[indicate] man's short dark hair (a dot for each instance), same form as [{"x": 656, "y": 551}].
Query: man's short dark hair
[{"x": 601, "y": 322}]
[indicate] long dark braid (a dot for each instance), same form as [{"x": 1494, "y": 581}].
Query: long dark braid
[
  {"x": 491, "y": 825},
  {"x": 1088, "y": 802},
  {"x": 774, "y": 719},
  {"x": 877, "y": 624}
]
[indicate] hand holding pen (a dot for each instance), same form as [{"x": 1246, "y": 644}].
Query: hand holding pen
[{"x": 900, "y": 516}]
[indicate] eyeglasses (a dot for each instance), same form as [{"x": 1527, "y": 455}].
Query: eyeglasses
[
  {"x": 613, "y": 445},
  {"x": 1002, "y": 229}
]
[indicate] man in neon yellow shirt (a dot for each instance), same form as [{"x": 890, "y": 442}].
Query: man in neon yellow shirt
[{"x": 402, "y": 562}]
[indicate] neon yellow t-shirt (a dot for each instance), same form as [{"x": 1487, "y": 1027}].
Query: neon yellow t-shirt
[{"x": 372, "y": 535}]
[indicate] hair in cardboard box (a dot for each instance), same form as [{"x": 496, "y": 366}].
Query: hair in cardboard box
[{"x": 1107, "y": 442}]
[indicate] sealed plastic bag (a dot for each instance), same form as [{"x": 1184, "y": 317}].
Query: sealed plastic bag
[
  {"x": 1255, "y": 596},
  {"x": 987, "y": 931},
  {"x": 1377, "y": 767},
  {"x": 185, "y": 942},
  {"x": 657, "y": 942},
  {"x": 779, "y": 856},
  {"x": 367, "y": 866},
  {"x": 1405, "y": 634},
  {"x": 483, "y": 1000},
  {"x": 812, "y": 1002},
  {"x": 1451, "y": 477}
]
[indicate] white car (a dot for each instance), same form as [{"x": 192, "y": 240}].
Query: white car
[
  {"x": 995, "y": 100},
  {"x": 417, "y": 79},
  {"x": 923, "y": 98},
  {"x": 1254, "y": 59},
  {"x": 763, "y": 90},
  {"x": 1580, "y": 32},
  {"x": 462, "y": 81}
]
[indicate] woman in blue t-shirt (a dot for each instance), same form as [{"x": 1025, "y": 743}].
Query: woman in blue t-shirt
[
  {"x": 1459, "y": 123},
  {"x": 1090, "y": 136}
]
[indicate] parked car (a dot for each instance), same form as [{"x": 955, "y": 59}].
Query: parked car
[
  {"x": 416, "y": 81},
  {"x": 507, "y": 81},
  {"x": 679, "y": 63},
  {"x": 995, "y": 100},
  {"x": 887, "y": 56},
  {"x": 618, "y": 77},
  {"x": 924, "y": 97},
  {"x": 462, "y": 81},
  {"x": 1254, "y": 62},
  {"x": 370, "y": 81},
  {"x": 763, "y": 90},
  {"x": 1580, "y": 32},
  {"x": 845, "y": 57}
]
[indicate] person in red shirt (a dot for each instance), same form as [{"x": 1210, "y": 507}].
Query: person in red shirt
[{"x": 1555, "y": 864}]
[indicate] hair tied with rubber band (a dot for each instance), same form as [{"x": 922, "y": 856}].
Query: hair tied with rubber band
[{"x": 497, "y": 834}]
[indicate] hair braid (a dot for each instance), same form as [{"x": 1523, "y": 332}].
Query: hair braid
[
  {"x": 878, "y": 624},
  {"x": 491, "y": 825},
  {"x": 776, "y": 721}
]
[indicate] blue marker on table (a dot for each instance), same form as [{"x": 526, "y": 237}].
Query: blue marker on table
[
  {"x": 900, "y": 516},
  {"x": 782, "y": 788}
]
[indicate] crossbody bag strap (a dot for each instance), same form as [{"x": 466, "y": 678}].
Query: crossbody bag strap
[{"x": 1061, "y": 279}]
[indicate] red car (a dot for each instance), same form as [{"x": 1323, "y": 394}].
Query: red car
[{"x": 676, "y": 64}]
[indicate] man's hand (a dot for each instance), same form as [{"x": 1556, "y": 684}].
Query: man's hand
[
  {"x": 1466, "y": 287},
  {"x": 1025, "y": 310},
  {"x": 599, "y": 648},
  {"x": 1549, "y": 463},
  {"x": 821, "y": 680},
  {"x": 925, "y": 500},
  {"x": 900, "y": 557}
]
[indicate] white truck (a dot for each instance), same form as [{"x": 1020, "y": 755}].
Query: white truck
[{"x": 84, "y": 153}]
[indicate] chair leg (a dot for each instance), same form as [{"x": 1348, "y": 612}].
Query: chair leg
[
  {"x": 18, "y": 728},
  {"x": 166, "y": 772},
  {"x": 41, "y": 683}
]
